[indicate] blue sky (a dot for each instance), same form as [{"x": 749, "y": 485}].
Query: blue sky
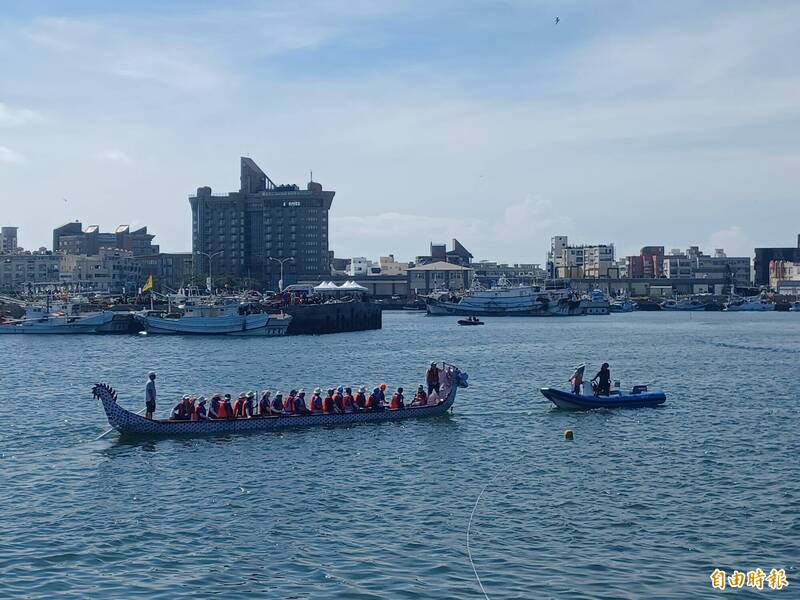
[{"x": 636, "y": 123}]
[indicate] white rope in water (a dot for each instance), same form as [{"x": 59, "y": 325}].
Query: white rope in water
[{"x": 469, "y": 529}]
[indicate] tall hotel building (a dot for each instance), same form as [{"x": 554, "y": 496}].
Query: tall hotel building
[{"x": 242, "y": 230}]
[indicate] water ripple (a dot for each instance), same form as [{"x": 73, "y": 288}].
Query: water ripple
[{"x": 640, "y": 504}]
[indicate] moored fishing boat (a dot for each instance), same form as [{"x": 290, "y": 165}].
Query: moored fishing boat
[
  {"x": 56, "y": 319},
  {"x": 506, "y": 300},
  {"x": 595, "y": 303},
  {"x": 639, "y": 397},
  {"x": 687, "y": 304},
  {"x": 752, "y": 304},
  {"x": 213, "y": 317},
  {"x": 129, "y": 423},
  {"x": 622, "y": 305}
]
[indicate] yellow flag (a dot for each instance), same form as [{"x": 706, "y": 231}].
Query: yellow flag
[{"x": 148, "y": 285}]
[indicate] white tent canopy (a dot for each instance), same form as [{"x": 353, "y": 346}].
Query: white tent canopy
[
  {"x": 347, "y": 286},
  {"x": 352, "y": 286},
  {"x": 326, "y": 286}
]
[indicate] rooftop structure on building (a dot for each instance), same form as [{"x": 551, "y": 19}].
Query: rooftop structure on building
[
  {"x": 458, "y": 255},
  {"x": 73, "y": 238},
  {"x": 764, "y": 256},
  {"x": 8, "y": 240},
  {"x": 245, "y": 234}
]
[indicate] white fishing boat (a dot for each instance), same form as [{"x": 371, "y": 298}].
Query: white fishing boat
[
  {"x": 752, "y": 304},
  {"x": 213, "y": 317},
  {"x": 622, "y": 305},
  {"x": 506, "y": 300},
  {"x": 52, "y": 318},
  {"x": 596, "y": 303},
  {"x": 683, "y": 305}
]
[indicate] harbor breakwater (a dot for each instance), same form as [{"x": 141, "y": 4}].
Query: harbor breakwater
[{"x": 314, "y": 319}]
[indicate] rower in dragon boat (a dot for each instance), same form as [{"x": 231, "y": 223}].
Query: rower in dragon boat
[{"x": 337, "y": 400}]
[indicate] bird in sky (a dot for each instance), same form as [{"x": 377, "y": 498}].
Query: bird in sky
[{"x": 557, "y": 20}]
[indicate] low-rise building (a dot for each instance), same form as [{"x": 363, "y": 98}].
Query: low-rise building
[
  {"x": 359, "y": 266},
  {"x": 8, "y": 240},
  {"x": 393, "y": 268},
  {"x": 438, "y": 276},
  {"x": 765, "y": 256},
  {"x": 565, "y": 261},
  {"x": 490, "y": 272},
  {"x": 459, "y": 255},
  {"x": 110, "y": 271},
  {"x": 784, "y": 274},
  {"x": 678, "y": 265},
  {"x": 170, "y": 270},
  {"x": 738, "y": 267},
  {"x": 21, "y": 271},
  {"x": 649, "y": 264},
  {"x": 694, "y": 263},
  {"x": 72, "y": 238}
]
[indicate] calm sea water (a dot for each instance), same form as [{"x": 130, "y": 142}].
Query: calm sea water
[{"x": 642, "y": 504}]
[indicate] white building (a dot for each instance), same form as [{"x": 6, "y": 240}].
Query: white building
[
  {"x": 359, "y": 266},
  {"x": 389, "y": 266},
  {"x": 565, "y": 261},
  {"x": 678, "y": 265}
]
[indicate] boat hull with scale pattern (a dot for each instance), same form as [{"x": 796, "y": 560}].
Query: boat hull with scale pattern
[{"x": 130, "y": 424}]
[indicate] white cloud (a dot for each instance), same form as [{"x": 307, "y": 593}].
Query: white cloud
[
  {"x": 113, "y": 156},
  {"x": 514, "y": 234},
  {"x": 11, "y": 117},
  {"x": 732, "y": 239},
  {"x": 10, "y": 157}
]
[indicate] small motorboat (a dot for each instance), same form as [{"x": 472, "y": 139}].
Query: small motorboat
[
  {"x": 470, "y": 321},
  {"x": 639, "y": 397}
]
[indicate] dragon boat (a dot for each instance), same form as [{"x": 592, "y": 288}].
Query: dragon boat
[{"x": 130, "y": 424}]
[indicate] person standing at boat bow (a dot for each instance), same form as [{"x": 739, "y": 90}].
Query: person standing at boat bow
[
  {"x": 577, "y": 379},
  {"x": 432, "y": 378},
  {"x": 150, "y": 396}
]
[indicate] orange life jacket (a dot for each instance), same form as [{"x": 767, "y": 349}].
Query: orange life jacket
[
  {"x": 237, "y": 407},
  {"x": 347, "y": 401},
  {"x": 316, "y": 402},
  {"x": 327, "y": 404},
  {"x": 421, "y": 399},
  {"x": 288, "y": 405},
  {"x": 395, "y": 405},
  {"x": 224, "y": 411}
]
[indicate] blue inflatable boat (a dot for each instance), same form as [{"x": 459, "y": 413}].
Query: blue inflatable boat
[{"x": 639, "y": 397}]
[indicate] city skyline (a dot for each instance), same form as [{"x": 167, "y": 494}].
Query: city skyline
[{"x": 647, "y": 129}]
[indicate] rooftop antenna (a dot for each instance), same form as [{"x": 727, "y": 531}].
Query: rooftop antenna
[{"x": 311, "y": 175}]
